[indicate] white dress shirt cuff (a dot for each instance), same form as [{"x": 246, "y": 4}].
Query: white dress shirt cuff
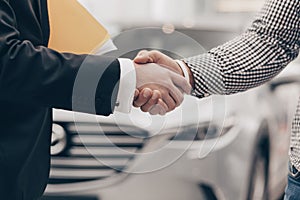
[
  {"x": 127, "y": 86},
  {"x": 182, "y": 65}
]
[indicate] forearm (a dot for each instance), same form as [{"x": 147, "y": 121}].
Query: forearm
[
  {"x": 47, "y": 78},
  {"x": 39, "y": 75},
  {"x": 252, "y": 58}
]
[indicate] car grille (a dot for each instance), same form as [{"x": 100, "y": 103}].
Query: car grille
[{"x": 92, "y": 154}]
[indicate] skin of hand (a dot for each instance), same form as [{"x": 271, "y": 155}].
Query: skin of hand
[
  {"x": 155, "y": 104},
  {"x": 154, "y": 56},
  {"x": 157, "y": 57},
  {"x": 166, "y": 86}
]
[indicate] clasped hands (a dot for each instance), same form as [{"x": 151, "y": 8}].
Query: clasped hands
[{"x": 160, "y": 83}]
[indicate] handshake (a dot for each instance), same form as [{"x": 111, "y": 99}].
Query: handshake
[{"x": 160, "y": 83}]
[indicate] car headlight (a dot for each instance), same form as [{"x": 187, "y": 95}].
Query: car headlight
[
  {"x": 58, "y": 139},
  {"x": 206, "y": 130}
]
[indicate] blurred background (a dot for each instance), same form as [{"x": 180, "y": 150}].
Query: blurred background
[
  {"x": 190, "y": 14},
  {"x": 232, "y": 148}
]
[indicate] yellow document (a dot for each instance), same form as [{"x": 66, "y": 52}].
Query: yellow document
[{"x": 73, "y": 29}]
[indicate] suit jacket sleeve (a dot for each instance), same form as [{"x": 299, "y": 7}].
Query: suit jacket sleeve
[
  {"x": 39, "y": 75},
  {"x": 254, "y": 57}
]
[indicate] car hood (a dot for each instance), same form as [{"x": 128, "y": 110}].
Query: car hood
[{"x": 192, "y": 111}]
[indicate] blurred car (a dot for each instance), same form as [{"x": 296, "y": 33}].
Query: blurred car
[{"x": 233, "y": 147}]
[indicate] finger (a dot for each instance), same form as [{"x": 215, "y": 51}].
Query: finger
[
  {"x": 136, "y": 94},
  {"x": 143, "y": 97},
  {"x": 152, "y": 101},
  {"x": 159, "y": 108},
  {"x": 142, "y": 53},
  {"x": 181, "y": 83},
  {"x": 177, "y": 95},
  {"x": 155, "y": 110},
  {"x": 169, "y": 101},
  {"x": 157, "y": 55},
  {"x": 143, "y": 57},
  {"x": 164, "y": 107}
]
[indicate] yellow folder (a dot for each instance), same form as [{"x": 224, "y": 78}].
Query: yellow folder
[{"x": 73, "y": 29}]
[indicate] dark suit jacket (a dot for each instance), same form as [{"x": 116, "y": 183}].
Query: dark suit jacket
[{"x": 34, "y": 79}]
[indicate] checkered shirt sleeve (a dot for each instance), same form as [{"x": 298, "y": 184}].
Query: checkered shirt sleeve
[
  {"x": 253, "y": 58},
  {"x": 249, "y": 60}
]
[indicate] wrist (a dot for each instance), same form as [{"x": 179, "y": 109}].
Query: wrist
[
  {"x": 127, "y": 85},
  {"x": 186, "y": 72}
]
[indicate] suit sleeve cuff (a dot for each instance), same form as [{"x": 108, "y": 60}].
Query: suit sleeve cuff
[{"x": 127, "y": 86}]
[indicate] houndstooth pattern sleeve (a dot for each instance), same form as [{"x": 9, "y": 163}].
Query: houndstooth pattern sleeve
[
  {"x": 253, "y": 58},
  {"x": 295, "y": 139}
]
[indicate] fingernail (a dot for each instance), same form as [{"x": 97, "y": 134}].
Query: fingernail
[
  {"x": 154, "y": 96},
  {"x": 146, "y": 93}
]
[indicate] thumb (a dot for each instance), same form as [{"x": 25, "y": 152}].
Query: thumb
[{"x": 143, "y": 57}]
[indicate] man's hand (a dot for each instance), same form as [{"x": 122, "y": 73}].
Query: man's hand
[
  {"x": 166, "y": 86},
  {"x": 157, "y": 57},
  {"x": 144, "y": 99},
  {"x": 150, "y": 101}
]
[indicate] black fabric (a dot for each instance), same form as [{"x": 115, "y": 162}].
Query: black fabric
[{"x": 33, "y": 80}]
